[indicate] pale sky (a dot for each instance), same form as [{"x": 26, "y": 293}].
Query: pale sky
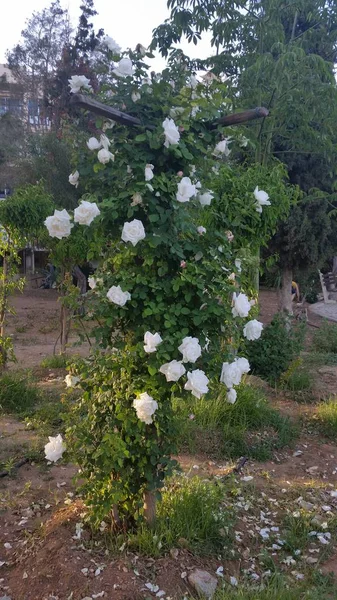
[{"x": 129, "y": 22}]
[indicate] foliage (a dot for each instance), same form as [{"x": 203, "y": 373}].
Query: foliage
[
  {"x": 297, "y": 377},
  {"x": 23, "y": 213},
  {"x": 57, "y": 361},
  {"x": 277, "y": 53},
  {"x": 325, "y": 338},
  {"x": 235, "y": 207},
  {"x": 177, "y": 280},
  {"x": 190, "y": 514},
  {"x": 16, "y": 395},
  {"x": 250, "y": 427},
  {"x": 325, "y": 418},
  {"x": 278, "y": 346}
]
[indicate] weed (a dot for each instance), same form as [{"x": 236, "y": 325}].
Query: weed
[
  {"x": 318, "y": 359},
  {"x": 325, "y": 338},
  {"x": 297, "y": 378},
  {"x": 190, "y": 515},
  {"x": 325, "y": 418},
  {"x": 282, "y": 588},
  {"x": 16, "y": 395},
  {"x": 21, "y": 328},
  {"x": 57, "y": 361},
  {"x": 249, "y": 427}
]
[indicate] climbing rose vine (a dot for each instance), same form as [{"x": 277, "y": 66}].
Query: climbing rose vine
[{"x": 170, "y": 317}]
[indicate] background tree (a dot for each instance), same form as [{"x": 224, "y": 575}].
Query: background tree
[{"x": 283, "y": 56}]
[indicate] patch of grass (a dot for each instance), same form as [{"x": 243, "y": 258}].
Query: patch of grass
[
  {"x": 57, "y": 361},
  {"x": 319, "y": 359},
  {"x": 297, "y": 529},
  {"x": 278, "y": 587},
  {"x": 325, "y": 338},
  {"x": 250, "y": 427},
  {"x": 48, "y": 417},
  {"x": 17, "y": 396},
  {"x": 325, "y": 418},
  {"x": 297, "y": 378},
  {"x": 190, "y": 516}
]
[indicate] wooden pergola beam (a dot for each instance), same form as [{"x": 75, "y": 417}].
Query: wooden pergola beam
[{"x": 114, "y": 114}]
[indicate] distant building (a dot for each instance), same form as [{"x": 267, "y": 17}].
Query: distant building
[{"x": 14, "y": 99}]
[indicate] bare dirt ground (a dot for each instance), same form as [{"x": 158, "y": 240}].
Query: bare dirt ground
[
  {"x": 35, "y": 327},
  {"x": 42, "y": 559}
]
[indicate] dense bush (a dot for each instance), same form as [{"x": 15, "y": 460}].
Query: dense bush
[{"x": 278, "y": 346}]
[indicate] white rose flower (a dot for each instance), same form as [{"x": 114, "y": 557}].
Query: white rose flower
[
  {"x": 243, "y": 141},
  {"x": 243, "y": 365},
  {"x": 92, "y": 281},
  {"x": 197, "y": 383},
  {"x": 93, "y": 144},
  {"x": 71, "y": 380},
  {"x": 104, "y": 156},
  {"x": 222, "y": 147},
  {"x": 86, "y": 212},
  {"x": 237, "y": 263},
  {"x": 73, "y": 178},
  {"x": 59, "y": 224},
  {"x": 135, "y": 96},
  {"x": 76, "y": 82},
  {"x": 241, "y": 306},
  {"x": 185, "y": 190},
  {"x": 262, "y": 199},
  {"x": 190, "y": 349},
  {"x": 110, "y": 43},
  {"x": 261, "y": 196},
  {"x": 206, "y": 198},
  {"x": 173, "y": 370},
  {"x": 171, "y": 132},
  {"x": 231, "y": 374},
  {"x": 105, "y": 142},
  {"x": 116, "y": 295},
  {"x": 252, "y": 330},
  {"x": 55, "y": 448},
  {"x": 201, "y": 230},
  {"x": 151, "y": 341},
  {"x": 231, "y": 396},
  {"x": 145, "y": 408},
  {"x": 124, "y": 68},
  {"x": 149, "y": 172},
  {"x": 133, "y": 232}
]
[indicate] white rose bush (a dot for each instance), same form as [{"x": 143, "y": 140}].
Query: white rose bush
[{"x": 170, "y": 321}]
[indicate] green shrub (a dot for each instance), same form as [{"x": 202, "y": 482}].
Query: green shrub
[
  {"x": 16, "y": 395},
  {"x": 278, "y": 346},
  {"x": 57, "y": 361},
  {"x": 326, "y": 418},
  {"x": 250, "y": 427},
  {"x": 325, "y": 338}
]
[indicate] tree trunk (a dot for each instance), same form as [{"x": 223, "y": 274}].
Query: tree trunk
[
  {"x": 334, "y": 265},
  {"x": 150, "y": 508},
  {"x": 65, "y": 328},
  {"x": 3, "y": 312},
  {"x": 285, "y": 292}
]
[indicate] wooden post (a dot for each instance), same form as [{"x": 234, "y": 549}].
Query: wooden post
[
  {"x": 114, "y": 114},
  {"x": 150, "y": 502}
]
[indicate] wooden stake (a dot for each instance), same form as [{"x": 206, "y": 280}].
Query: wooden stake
[{"x": 150, "y": 508}]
